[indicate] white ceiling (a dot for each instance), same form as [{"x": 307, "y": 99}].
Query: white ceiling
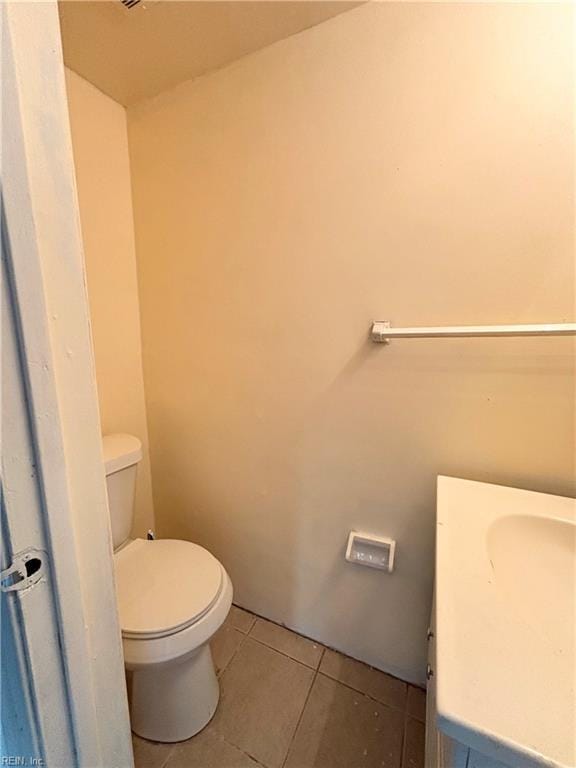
[{"x": 133, "y": 54}]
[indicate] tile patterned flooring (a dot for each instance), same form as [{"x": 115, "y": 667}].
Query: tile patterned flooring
[{"x": 287, "y": 702}]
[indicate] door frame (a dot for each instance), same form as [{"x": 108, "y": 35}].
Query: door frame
[{"x": 45, "y": 263}]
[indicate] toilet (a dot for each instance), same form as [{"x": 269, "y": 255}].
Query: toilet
[{"x": 172, "y": 597}]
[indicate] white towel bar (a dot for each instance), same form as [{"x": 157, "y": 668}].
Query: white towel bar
[{"x": 382, "y": 332}]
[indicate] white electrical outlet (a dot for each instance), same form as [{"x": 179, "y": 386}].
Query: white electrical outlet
[{"x": 373, "y": 551}]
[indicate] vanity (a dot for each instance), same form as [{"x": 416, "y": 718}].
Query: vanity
[{"x": 502, "y": 639}]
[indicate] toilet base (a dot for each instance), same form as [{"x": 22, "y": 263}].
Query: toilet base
[{"x": 172, "y": 702}]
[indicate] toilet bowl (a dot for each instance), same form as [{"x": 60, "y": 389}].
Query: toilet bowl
[{"x": 172, "y": 597}]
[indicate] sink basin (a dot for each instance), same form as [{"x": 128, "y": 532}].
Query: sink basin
[
  {"x": 506, "y": 622},
  {"x": 536, "y": 556}
]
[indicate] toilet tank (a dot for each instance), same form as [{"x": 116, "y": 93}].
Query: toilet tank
[{"x": 121, "y": 456}]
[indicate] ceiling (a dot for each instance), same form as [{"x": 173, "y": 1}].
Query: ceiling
[{"x": 135, "y": 53}]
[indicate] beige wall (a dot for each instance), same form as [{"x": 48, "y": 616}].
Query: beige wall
[
  {"x": 103, "y": 177},
  {"x": 411, "y": 162}
]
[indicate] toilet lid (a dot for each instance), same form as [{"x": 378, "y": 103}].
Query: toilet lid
[{"x": 164, "y": 586}]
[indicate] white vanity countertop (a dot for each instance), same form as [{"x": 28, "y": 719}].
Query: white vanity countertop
[{"x": 506, "y": 622}]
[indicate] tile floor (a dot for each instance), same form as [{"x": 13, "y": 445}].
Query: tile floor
[{"x": 287, "y": 702}]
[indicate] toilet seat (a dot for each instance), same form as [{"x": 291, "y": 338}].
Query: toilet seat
[
  {"x": 145, "y": 652},
  {"x": 164, "y": 586}
]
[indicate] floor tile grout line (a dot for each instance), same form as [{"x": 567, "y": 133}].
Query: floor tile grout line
[
  {"x": 406, "y": 714},
  {"x": 168, "y": 756},
  {"x": 240, "y": 749},
  {"x": 325, "y": 648},
  {"x": 246, "y": 636},
  {"x": 316, "y": 673},
  {"x": 317, "y": 669},
  {"x": 225, "y": 667},
  {"x": 363, "y": 693},
  {"x": 287, "y": 655},
  {"x": 219, "y": 735},
  {"x": 284, "y": 626},
  {"x": 242, "y": 631},
  {"x": 404, "y": 739}
]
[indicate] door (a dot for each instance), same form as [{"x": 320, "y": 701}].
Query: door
[{"x": 63, "y": 700}]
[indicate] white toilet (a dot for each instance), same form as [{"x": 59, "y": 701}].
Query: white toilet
[{"x": 172, "y": 597}]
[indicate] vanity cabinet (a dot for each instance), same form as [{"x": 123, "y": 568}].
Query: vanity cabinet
[
  {"x": 501, "y": 653},
  {"x": 442, "y": 751}
]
